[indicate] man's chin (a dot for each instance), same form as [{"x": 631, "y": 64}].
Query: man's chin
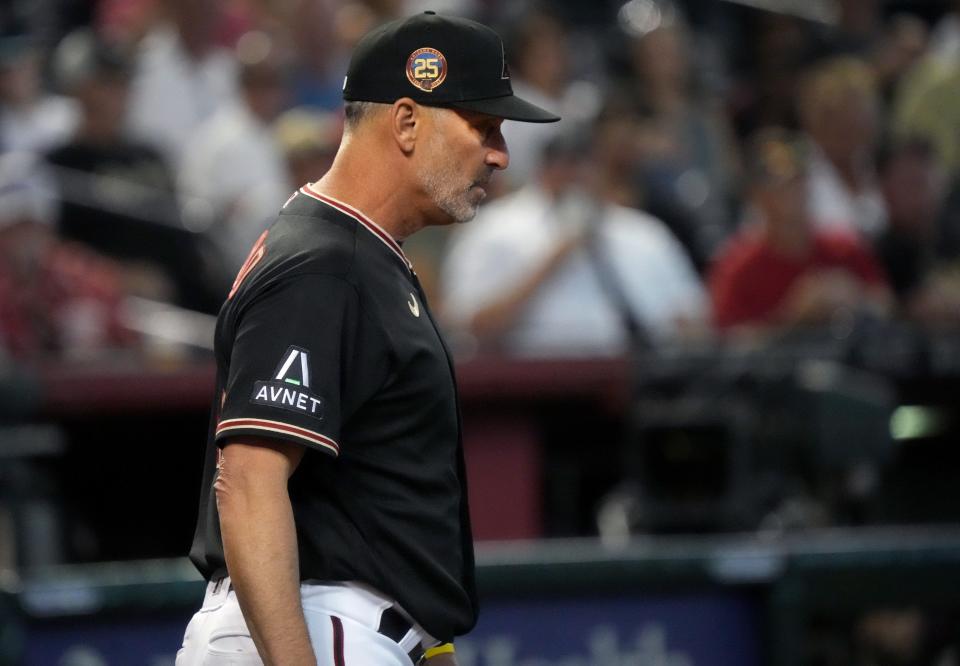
[
  {"x": 463, "y": 213},
  {"x": 459, "y": 211},
  {"x": 471, "y": 208},
  {"x": 467, "y": 216}
]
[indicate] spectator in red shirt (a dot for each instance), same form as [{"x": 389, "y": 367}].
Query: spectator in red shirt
[
  {"x": 56, "y": 299},
  {"x": 781, "y": 271}
]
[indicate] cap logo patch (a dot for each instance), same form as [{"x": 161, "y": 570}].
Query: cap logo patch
[{"x": 426, "y": 69}]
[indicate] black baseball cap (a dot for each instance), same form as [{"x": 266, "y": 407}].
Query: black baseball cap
[{"x": 437, "y": 61}]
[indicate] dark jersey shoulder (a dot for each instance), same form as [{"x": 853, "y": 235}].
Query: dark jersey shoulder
[{"x": 302, "y": 241}]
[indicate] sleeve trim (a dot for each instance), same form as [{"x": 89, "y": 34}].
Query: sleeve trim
[{"x": 278, "y": 427}]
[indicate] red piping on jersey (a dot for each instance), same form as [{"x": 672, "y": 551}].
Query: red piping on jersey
[
  {"x": 365, "y": 221},
  {"x": 264, "y": 424},
  {"x": 338, "y": 659},
  {"x": 256, "y": 254}
]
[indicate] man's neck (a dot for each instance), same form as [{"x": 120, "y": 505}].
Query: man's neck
[{"x": 383, "y": 204}]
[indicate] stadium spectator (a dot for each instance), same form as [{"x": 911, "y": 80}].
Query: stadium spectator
[
  {"x": 891, "y": 45},
  {"x": 542, "y": 58},
  {"x": 688, "y": 168},
  {"x": 615, "y": 154},
  {"x": 782, "y": 271},
  {"x": 858, "y": 29},
  {"x": 233, "y": 161},
  {"x": 117, "y": 194},
  {"x": 308, "y": 140},
  {"x": 861, "y": 29},
  {"x": 928, "y": 106},
  {"x": 769, "y": 56},
  {"x": 913, "y": 183},
  {"x": 182, "y": 76},
  {"x": 840, "y": 111},
  {"x": 552, "y": 270},
  {"x": 31, "y": 120},
  {"x": 945, "y": 36},
  {"x": 912, "y": 186},
  {"x": 125, "y": 21},
  {"x": 56, "y": 299},
  {"x": 323, "y": 33},
  {"x": 901, "y": 48}
]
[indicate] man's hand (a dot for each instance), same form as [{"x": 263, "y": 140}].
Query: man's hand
[{"x": 816, "y": 297}]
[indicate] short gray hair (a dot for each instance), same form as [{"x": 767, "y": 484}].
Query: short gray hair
[{"x": 356, "y": 112}]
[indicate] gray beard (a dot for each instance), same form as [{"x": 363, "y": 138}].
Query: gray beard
[{"x": 447, "y": 195}]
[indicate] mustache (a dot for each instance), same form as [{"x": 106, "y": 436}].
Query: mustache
[{"x": 484, "y": 179}]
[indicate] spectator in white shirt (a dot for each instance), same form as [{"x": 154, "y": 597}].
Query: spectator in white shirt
[
  {"x": 551, "y": 271},
  {"x": 31, "y": 120},
  {"x": 183, "y": 77},
  {"x": 840, "y": 112},
  {"x": 234, "y": 163}
]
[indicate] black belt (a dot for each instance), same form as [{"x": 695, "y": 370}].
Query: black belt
[{"x": 394, "y": 626}]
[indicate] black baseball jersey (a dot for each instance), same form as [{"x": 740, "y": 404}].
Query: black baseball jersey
[{"x": 326, "y": 340}]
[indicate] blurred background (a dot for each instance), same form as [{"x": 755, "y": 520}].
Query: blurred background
[{"x": 706, "y": 327}]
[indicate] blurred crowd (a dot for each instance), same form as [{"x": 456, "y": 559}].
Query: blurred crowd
[{"x": 720, "y": 170}]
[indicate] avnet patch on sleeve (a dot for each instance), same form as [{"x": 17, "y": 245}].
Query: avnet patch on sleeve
[
  {"x": 290, "y": 386},
  {"x": 294, "y": 342}
]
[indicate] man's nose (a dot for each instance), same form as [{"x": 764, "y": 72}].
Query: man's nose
[{"x": 498, "y": 156}]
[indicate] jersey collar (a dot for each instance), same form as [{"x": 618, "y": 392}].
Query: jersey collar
[{"x": 362, "y": 220}]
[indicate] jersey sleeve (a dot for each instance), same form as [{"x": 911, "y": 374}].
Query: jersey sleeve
[{"x": 299, "y": 357}]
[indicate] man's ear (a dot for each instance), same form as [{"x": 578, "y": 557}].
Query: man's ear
[{"x": 406, "y": 118}]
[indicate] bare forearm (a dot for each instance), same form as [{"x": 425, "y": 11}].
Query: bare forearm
[
  {"x": 496, "y": 317},
  {"x": 260, "y": 546}
]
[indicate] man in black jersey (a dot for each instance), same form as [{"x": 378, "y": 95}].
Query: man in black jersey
[{"x": 333, "y": 522}]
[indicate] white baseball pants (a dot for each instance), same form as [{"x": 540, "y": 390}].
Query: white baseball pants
[{"x": 342, "y": 620}]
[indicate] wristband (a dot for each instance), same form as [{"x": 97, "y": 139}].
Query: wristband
[{"x": 443, "y": 648}]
